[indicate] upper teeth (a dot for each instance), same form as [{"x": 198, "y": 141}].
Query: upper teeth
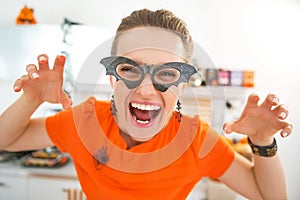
[{"x": 145, "y": 107}]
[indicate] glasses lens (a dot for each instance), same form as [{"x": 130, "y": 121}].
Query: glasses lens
[
  {"x": 129, "y": 72},
  {"x": 167, "y": 75}
]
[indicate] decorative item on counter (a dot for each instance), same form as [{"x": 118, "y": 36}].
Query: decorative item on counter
[
  {"x": 6, "y": 156},
  {"x": 224, "y": 77},
  {"x": 236, "y": 78},
  {"x": 45, "y": 158},
  {"x": 212, "y": 77},
  {"x": 248, "y": 80},
  {"x": 26, "y": 16},
  {"x": 196, "y": 80}
]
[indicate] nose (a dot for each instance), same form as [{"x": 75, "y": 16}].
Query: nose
[{"x": 146, "y": 88}]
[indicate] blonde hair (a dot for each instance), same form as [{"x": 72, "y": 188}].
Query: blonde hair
[{"x": 161, "y": 19}]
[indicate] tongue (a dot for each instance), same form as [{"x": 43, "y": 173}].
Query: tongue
[{"x": 142, "y": 115}]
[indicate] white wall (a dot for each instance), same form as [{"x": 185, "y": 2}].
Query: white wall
[{"x": 252, "y": 34}]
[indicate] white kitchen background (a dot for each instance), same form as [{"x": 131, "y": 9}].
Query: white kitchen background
[{"x": 259, "y": 35}]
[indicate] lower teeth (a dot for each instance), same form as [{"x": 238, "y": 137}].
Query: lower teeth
[{"x": 143, "y": 122}]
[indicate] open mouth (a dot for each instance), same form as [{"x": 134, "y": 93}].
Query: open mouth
[{"x": 143, "y": 114}]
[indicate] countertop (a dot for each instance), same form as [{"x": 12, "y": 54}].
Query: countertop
[{"x": 15, "y": 168}]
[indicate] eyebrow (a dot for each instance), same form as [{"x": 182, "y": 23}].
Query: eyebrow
[{"x": 141, "y": 63}]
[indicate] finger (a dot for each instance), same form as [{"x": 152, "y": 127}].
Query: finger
[
  {"x": 66, "y": 101},
  {"x": 287, "y": 130},
  {"x": 43, "y": 62},
  {"x": 226, "y": 128},
  {"x": 253, "y": 99},
  {"x": 270, "y": 101},
  {"x": 32, "y": 71},
  {"x": 18, "y": 85},
  {"x": 59, "y": 63},
  {"x": 231, "y": 127},
  {"x": 281, "y": 111}
]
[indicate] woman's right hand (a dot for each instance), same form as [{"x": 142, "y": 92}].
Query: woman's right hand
[{"x": 44, "y": 84}]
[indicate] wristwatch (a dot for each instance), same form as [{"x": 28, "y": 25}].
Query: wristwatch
[{"x": 265, "y": 151}]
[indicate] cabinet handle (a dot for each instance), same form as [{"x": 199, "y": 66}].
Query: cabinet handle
[
  {"x": 68, "y": 191},
  {"x": 74, "y": 194}
]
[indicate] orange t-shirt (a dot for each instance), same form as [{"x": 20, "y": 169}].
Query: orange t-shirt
[{"x": 139, "y": 172}]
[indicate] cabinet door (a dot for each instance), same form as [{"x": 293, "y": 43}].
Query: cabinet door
[
  {"x": 58, "y": 188},
  {"x": 12, "y": 187}
]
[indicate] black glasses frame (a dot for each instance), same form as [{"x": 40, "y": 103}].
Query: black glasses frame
[{"x": 111, "y": 63}]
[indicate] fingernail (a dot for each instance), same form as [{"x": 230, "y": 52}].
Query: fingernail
[
  {"x": 61, "y": 57},
  {"x": 35, "y": 75},
  {"x": 283, "y": 115},
  {"x": 226, "y": 129},
  {"x": 284, "y": 134},
  {"x": 16, "y": 88},
  {"x": 42, "y": 58},
  {"x": 30, "y": 67},
  {"x": 275, "y": 100}
]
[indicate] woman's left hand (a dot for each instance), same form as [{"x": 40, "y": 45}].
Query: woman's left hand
[{"x": 261, "y": 121}]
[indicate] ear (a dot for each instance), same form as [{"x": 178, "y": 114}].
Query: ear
[{"x": 112, "y": 81}]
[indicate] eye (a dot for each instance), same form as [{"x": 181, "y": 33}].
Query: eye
[
  {"x": 129, "y": 69},
  {"x": 129, "y": 72},
  {"x": 167, "y": 75}
]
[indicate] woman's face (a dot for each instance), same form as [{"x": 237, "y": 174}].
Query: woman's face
[{"x": 143, "y": 111}]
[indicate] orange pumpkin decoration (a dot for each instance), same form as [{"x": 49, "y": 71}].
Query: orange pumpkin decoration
[{"x": 26, "y": 16}]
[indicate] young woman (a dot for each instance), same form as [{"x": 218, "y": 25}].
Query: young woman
[{"x": 137, "y": 146}]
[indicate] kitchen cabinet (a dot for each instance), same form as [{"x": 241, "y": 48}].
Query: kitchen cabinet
[
  {"x": 58, "y": 188},
  {"x": 33, "y": 183},
  {"x": 13, "y": 187}
]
